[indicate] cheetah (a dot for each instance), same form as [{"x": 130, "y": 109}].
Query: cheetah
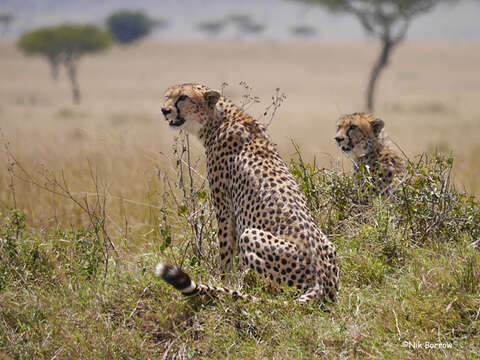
[
  {"x": 261, "y": 213},
  {"x": 362, "y": 138}
]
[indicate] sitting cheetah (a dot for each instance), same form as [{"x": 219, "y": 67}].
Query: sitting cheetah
[
  {"x": 362, "y": 138},
  {"x": 262, "y": 215}
]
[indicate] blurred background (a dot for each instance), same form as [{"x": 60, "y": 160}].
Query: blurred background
[
  {"x": 82, "y": 82},
  {"x": 452, "y": 21}
]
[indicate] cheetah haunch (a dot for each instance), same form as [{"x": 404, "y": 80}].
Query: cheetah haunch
[
  {"x": 262, "y": 215},
  {"x": 360, "y": 137}
]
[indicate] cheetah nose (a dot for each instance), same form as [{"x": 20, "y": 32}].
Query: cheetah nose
[
  {"x": 166, "y": 111},
  {"x": 339, "y": 139}
]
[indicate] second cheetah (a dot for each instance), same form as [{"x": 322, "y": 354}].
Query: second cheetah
[{"x": 361, "y": 137}]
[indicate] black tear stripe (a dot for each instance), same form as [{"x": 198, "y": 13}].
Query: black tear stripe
[
  {"x": 181, "y": 119},
  {"x": 350, "y": 142}
]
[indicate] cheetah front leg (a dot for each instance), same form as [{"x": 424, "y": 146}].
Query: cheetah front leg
[{"x": 226, "y": 241}]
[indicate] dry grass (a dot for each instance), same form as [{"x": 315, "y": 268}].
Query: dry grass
[{"x": 428, "y": 97}]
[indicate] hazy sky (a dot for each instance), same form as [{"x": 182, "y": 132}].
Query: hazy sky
[{"x": 452, "y": 22}]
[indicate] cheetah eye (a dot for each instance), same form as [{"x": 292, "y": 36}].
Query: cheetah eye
[
  {"x": 182, "y": 97},
  {"x": 352, "y": 127}
]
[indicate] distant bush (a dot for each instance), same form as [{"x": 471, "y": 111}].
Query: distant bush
[
  {"x": 303, "y": 30},
  {"x": 128, "y": 26},
  {"x": 245, "y": 24},
  {"x": 212, "y": 27}
]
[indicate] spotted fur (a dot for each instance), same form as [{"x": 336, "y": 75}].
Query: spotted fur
[
  {"x": 362, "y": 138},
  {"x": 262, "y": 215}
]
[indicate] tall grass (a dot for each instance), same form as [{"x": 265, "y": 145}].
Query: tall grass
[{"x": 410, "y": 270}]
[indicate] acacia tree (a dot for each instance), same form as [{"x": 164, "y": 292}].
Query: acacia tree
[
  {"x": 386, "y": 20},
  {"x": 64, "y": 45},
  {"x": 42, "y": 42}
]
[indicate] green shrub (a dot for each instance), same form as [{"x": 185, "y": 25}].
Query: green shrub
[
  {"x": 78, "y": 252},
  {"x": 27, "y": 260},
  {"x": 426, "y": 206},
  {"x": 22, "y": 260}
]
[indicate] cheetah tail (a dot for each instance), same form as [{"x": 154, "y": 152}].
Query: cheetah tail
[{"x": 180, "y": 280}]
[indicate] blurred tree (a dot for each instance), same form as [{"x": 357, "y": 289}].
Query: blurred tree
[
  {"x": 303, "y": 30},
  {"x": 386, "y": 20},
  {"x": 65, "y": 45},
  {"x": 212, "y": 27},
  {"x": 239, "y": 18},
  {"x": 128, "y": 26},
  {"x": 43, "y": 42},
  {"x": 6, "y": 19},
  {"x": 245, "y": 24},
  {"x": 251, "y": 28}
]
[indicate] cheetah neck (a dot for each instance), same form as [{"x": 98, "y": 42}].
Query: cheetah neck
[
  {"x": 381, "y": 149},
  {"x": 225, "y": 111},
  {"x": 369, "y": 158}
]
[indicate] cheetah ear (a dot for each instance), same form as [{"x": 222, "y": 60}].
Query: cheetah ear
[
  {"x": 211, "y": 97},
  {"x": 377, "y": 126}
]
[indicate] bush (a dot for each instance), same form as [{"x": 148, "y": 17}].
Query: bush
[
  {"x": 426, "y": 206},
  {"x": 27, "y": 260},
  {"x": 128, "y": 26}
]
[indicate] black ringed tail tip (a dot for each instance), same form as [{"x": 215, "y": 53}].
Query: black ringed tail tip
[
  {"x": 180, "y": 280},
  {"x": 176, "y": 277}
]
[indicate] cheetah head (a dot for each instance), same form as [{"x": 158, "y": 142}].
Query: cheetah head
[
  {"x": 189, "y": 106},
  {"x": 358, "y": 133}
]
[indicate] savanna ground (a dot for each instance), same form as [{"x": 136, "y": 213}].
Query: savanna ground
[{"x": 101, "y": 196}]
